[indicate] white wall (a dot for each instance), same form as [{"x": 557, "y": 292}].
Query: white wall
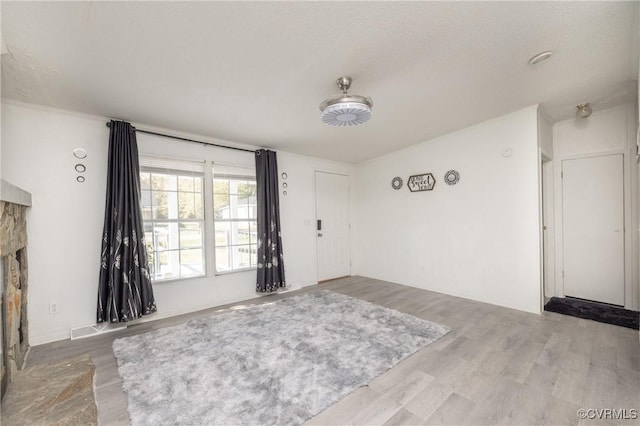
[
  {"x": 479, "y": 239},
  {"x": 65, "y": 222},
  {"x": 65, "y": 218},
  {"x": 545, "y": 133},
  {"x": 298, "y": 213},
  {"x": 609, "y": 131},
  {"x": 603, "y": 131}
]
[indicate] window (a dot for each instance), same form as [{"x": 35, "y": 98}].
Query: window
[
  {"x": 234, "y": 208},
  {"x": 172, "y": 210}
]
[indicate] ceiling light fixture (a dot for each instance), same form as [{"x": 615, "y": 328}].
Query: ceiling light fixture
[
  {"x": 540, "y": 57},
  {"x": 584, "y": 110},
  {"x": 345, "y": 109}
]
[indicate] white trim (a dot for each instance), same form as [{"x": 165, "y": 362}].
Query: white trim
[
  {"x": 234, "y": 271},
  {"x": 548, "y": 209}
]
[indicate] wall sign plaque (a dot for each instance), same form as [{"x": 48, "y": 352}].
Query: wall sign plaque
[{"x": 424, "y": 182}]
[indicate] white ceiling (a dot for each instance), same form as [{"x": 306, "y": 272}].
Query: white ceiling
[{"x": 255, "y": 72}]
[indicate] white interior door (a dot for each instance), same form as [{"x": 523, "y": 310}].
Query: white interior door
[
  {"x": 593, "y": 228},
  {"x": 332, "y": 226}
]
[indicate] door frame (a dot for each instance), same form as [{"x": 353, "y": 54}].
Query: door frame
[
  {"x": 547, "y": 227},
  {"x": 315, "y": 216},
  {"x": 627, "y": 234}
]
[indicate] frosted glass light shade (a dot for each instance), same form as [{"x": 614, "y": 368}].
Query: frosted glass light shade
[{"x": 346, "y": 114}]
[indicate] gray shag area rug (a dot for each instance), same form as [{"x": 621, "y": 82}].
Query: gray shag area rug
[{"x": 275, "y": 363}]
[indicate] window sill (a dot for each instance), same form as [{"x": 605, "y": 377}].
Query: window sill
[
  {"x": 235, "y": 271},
  {"x": 173, "y": 280},
  {"x": 196, "y": 277}
]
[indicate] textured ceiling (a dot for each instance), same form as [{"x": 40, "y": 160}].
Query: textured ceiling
[{"x": 255, "y": 72}]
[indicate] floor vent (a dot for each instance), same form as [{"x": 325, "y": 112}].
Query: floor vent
[{"x": 94, "y": 330}]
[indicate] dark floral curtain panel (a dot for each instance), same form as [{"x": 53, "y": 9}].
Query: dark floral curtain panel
[
  {"x": 124, "y": 289},
  {"x": 270, "y": 263}
]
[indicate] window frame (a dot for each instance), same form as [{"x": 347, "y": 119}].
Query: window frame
[
  {"x": 248, "y": 174},
  {"x": 202, "y": 221}
]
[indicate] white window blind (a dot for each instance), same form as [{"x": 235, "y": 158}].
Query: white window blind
[
  {"x": 236, "y": 172},
  {"x": 172, "y": 165}
]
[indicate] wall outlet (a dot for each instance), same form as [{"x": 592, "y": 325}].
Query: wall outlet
[{"x": 53, "y": 308}]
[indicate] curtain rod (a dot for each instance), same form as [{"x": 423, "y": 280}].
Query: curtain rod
[{"x": 187, "y": 140}]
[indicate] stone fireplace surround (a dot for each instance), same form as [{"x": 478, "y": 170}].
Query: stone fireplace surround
[{"x": 14, "y": 330}]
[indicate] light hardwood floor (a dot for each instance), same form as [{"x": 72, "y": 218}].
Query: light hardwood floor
[{"x": 496, "y": 366}]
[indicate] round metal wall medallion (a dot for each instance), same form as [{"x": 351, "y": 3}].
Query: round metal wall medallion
[
  {"x": 452, "y": 177},
  {"x": 80, "y": 153},
  {"x": 284, "y": 175},
  {"x": 80, "y": 168},
  {"x": 396, "y": 183},
  {"x": 80, "y": 179}
]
